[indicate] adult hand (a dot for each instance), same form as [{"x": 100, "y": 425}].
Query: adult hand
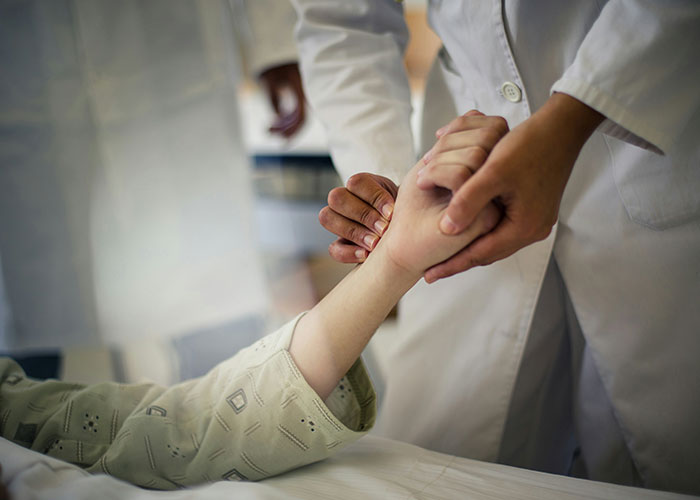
[
  {"x": 526, "y": 173},
  {"x": 276, "y": 80},
  {"x": 358, "y": 214}
]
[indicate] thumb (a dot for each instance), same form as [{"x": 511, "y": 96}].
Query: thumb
[{"x": 468, "y": 201}]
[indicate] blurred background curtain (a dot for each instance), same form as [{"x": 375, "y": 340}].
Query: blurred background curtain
[{"x": 125, "y": 193}]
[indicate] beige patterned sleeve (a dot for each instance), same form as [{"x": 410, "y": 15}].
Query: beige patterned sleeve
[{"x": 251, "y": 417}]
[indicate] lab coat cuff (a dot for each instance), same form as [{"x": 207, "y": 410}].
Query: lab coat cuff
[
  {"x": 261, "y": 61},
  {"x": 619, "y": 122}
]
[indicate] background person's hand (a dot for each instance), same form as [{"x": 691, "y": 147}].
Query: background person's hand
[
  {"x": 358, "y": 214},
  {"x": 526, "y": 173},
  {"x": 278, "y": 80}
]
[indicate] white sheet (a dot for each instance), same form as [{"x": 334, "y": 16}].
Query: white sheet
[{"x": 372, "y": 468}]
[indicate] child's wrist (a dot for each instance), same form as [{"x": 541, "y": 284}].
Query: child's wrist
[{"x": 392, "y": 273}]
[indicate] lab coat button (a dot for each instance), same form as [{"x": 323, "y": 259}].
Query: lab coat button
[{"x": 511, "y": 92}]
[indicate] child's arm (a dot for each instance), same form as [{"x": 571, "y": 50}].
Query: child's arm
[
  {"x": 330, "y": 337},
  {"x": 290, "y": 399}
]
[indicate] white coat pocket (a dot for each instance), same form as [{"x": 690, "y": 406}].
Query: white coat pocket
[{"x": 658, "y": 191}]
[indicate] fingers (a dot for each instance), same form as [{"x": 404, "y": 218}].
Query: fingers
[
  {"x": 377, "y": 191},
  {"x": 482, "y": 134},
  {"x": 347, "y": 229},
  {"x": 345, "y": 251},
  {"x": 450, "y": 176},
  {"x": 469, "y": 200},
  {"x": 473, "y": 119},
  {"x": 347, "y": 204},
  {"x": 289, "y": 124},
  {"x": 277, "y": 81},
  {"x": 359, "y": 215}
]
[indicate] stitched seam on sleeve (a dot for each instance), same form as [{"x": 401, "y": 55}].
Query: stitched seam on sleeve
[
  {"x": 66, "y": 420},
  {"x": 252, "y": 428},
  {"x": 363, "y": 406},
  {"x": 35, "y": 408},
  {"x": 292, "y": 367},
  {"x": 149, "y": 452},
  {"x": 221, "y": 421},
  {"x": 325, "y": 415},
  {"x": 252, "y": 465},
  {"x": 255, "y": 389},
  {"x": 103, "y": 464},
  {"x": 113, "y": 428},
  {"x": 288, "y": 434},
  {"x": 288, "y": 401}
]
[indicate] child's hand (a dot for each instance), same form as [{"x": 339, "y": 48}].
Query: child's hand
[{"x": 413, "y": 243}]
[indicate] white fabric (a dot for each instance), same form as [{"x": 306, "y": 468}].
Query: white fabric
[
  {"x": 371, "y": 468},
  {"x": 266, "y": 28},
  {"x": 125, "y": 198},
  {"x": 627, "y": 241}
]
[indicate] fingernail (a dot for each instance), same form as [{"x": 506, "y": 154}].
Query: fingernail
[
  {"x": 427, "y": 156},
  {"x": 387, "y": 210},
  {"x": 380, "y": 226},
  {"x": 447, "y": 226},
  {"x": 361, "y": 254},
  {"x": 441, "y": 131},
  {"x": 370, "y": 240}
]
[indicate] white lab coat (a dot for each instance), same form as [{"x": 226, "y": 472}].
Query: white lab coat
[
  {"x": 492, "y": 364},
  {"x": 125, "y": 198}
]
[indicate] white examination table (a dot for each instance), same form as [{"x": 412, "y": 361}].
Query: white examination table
[{"x": 373, "y": 468}]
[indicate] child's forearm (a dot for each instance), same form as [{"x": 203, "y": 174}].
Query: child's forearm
[{"x": 330, "y": 337}]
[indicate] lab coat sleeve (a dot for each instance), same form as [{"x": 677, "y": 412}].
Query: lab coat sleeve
[
  {"x": 251, "y": 417},
  {"x": 270, "y": 38},
  {"x": 638, "y": 66},
  {"x": 351, "y": 61}
]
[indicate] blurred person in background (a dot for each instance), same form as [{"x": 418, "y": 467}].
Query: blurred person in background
[{"x": 125, "y": 198}]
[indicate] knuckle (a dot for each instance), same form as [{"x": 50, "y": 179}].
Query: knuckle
[
  {"x": 472, "y": 261},
  {"x": 500, "y": 124},
  {"x": 354, "y": 234},
  {"x": 355, "y": 181},
  {"x": 336, "y": 252},
  {"x": 378, "y": 199},
  {"x": 325, "y": 216},
  {"x": 476, "y": 156},
  {"x": 365, "y": 216},
  {"x": 489, "y": 136},
  {"x": 335, "y": 196},
  {"x": 442, "y": 143},
  {"x": 462, "y": 175}
]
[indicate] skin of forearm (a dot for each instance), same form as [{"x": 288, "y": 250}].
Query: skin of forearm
[
  {"x": 331, "y": 336},
  {"x": 572, "y": 121}
]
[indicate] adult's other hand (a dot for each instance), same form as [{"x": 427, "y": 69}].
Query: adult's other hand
[
  {"x": 526, "y": 173},
  {"x": 358, "y": 214},
  {"x": 276, "y": 80}
]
